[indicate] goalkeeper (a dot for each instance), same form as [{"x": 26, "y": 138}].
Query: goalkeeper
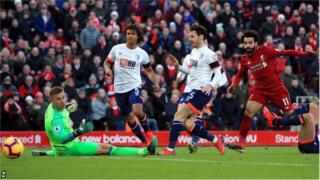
[{"x": 64, "y": 139}]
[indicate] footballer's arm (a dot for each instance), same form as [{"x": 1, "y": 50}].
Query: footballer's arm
[
  {"x": 151, "y": 76},
  {"x": 107, "y": 66}
]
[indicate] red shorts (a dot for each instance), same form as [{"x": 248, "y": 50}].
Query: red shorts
[{"x": 278, "y": 97}]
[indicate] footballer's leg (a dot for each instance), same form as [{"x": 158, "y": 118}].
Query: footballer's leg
[
  {"x": 123, "y": 101},
  {"x": 90, "y": 148},
  {"x": 308, "y": 134},
  {"x": 108, "y": 149},
  {"x": 137, "y": 110},
  {"x": 305, "y": 115},
  {"x": 253, "y": 106},
  {"x": 196, "y": 104},
  {"x": 177, "y": 126},
  {"x": 135, "y": 127},
  {"x": 193, "y": 143},
  {"x": 136, "y": 101},
  {"x": 198, "y": 130},
  {"x": 294, "y": 117}
]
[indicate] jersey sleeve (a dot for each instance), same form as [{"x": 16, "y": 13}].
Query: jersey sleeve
[
  {"x": 185, "y": 62},
  {"x": 216, "y": 68},
  {"x": 58, "y": 130},
  {"x": 276, "y": 52},
  {"x": 145, "y": 59},
  {"x": 213, "y": 61},
  {"x": 112, "y": 55}
]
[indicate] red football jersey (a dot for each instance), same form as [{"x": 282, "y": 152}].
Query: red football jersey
[{"x": 263, "y": 67}]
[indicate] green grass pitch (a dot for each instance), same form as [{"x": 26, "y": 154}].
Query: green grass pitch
[{"x": 255, "y": 163}]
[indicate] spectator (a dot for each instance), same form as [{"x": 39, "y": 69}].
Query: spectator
[
  {"x": 70, "y": 17},
  {"x": 45, "y": 76},
  {"x": 114, "y": 19},
  {"x": 54, "y": 11},
  {"x": 69, "y": 88},
  {"x": 46, "y": 94},
  {"x": 230, "y": 111},
  {"x": 267, "y": 27},
  {"x": 242, "y": 95},
  {"x": 135, "y": 7},
  {"x": 82, "y": 15},
  {"x": 287, "y": 76},
  {"x": 4, "y": 20},
  {"x": 280, "y": 27},
  {"x": 100, "y": 77},
  {"x": 258, "y": 18},
  {"x": 5, "y": 40},
  {"x": 34, "y": 9},
  {"x": 224, "y": 18},
  {"x": 313, "y": 37},
  {"x": 36, "y": 110},
  {"x": 310, "y": 69},
  {"x": 157, "y": 18},
  {"x": 99, "y": 107},
  {"x": 296, "y": 22},
  {"x": 216, "y": 118},
  {"x": 12, "y": 117},
  {"x": 35, "y": 61},
  {"x": 28, "y": 88},
  {"x": 92, "y": 87},
  {"x": 83, "y": 101},
  {"x": 178, "y": 50},
  {"x": 26, "y": 71},
  {"x": 230, "y": 70},
  {"x": 220, "y": 37},
  {"x": 89, "y": 36},
  {"x": 17, "y": 14},
  {"x": 232, "y": 29},
  {"x": 73, "y": 34},
  {"x": 100, "y": 11},
  {"x": 171, "y": 11},
  {"x": 15, "y": 30},
  {"x": 302, "y": 34},
  {"x": 44, "y": 23},
  {"x": 289, "y": 38},
  {"x": 148, "y": 109},
  {"x": 5, "y": 71},
  {"x": 103, "y": 47},
  {"x": 171, "y": 107},
  {"x": 7, "y": 89},
  {"x": 59, "y": 66},
  {"x": 50, "y": 57},
  {"x": 295, "y": 89},
  {"x": 310, "y": 17}
]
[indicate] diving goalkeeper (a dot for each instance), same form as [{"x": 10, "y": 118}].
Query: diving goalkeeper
[{"x": 64, "y": 139}]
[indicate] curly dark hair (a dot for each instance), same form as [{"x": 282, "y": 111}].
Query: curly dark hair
[{"x": 137, "y": 29}]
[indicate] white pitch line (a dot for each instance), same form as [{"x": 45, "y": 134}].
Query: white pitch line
[{"x": 207, "y": 161}]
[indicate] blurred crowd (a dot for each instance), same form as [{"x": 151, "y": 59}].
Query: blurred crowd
[{"x": 65, "y": 42}]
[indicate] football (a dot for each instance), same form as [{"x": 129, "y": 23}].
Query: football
[{"x": 12, "y": 148}]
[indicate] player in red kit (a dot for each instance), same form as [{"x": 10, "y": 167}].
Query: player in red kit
[{"x": 268, "y": 87}]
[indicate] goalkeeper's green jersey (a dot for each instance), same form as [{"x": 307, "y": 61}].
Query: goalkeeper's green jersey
[{"x": 58, "y": 128}]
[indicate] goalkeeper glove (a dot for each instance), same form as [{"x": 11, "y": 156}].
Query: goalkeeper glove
[
  {"x": 85, "y": 126},
  {"x": 71, "y": 107}
]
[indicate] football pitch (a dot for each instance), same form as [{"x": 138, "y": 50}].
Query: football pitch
[{"x": 255, "y": 163}]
